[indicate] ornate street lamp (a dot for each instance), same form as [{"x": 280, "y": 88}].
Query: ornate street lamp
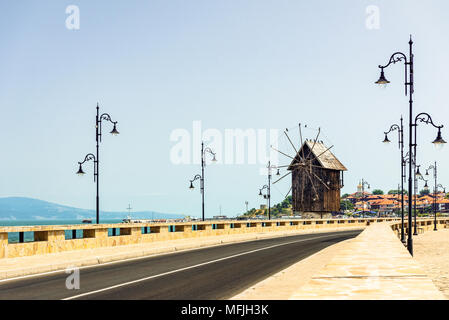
[
  {"x": 409, "y": 84},
  {"x": 408, "y": 68},
  {"x": 363, "y": 184},
  {"x": 268, "y": 187},
  {"x": 435, "y": 186},
  {"x": 400, "y": 129},
  {"x": 98, "y": 132},
  {"x": 416, "y": 175},
  {"x": 201, "y": 177},
  {"x": 266, "y": 196}
]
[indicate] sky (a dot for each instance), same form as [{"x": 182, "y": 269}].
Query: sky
[{"x": 160, "y": 67}]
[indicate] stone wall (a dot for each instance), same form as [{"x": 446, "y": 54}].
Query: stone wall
[{"x": 52, "y": 239}]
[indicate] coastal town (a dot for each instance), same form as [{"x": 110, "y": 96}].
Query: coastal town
[{"x": 389, "y": 204}]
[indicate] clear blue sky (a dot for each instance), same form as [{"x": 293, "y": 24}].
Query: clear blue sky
[{"x": 156, "y": 66}]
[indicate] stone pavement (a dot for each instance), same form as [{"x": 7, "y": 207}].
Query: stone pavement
[
  {"x": 375, "y": 265},
  {"x": 431, "y": 250},
  {"x": 16, "y": 267}
]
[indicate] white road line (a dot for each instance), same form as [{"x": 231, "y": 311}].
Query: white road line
[{"x": 187, "y": 268}]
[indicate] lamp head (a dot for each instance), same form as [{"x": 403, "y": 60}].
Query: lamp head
[
  {"x": 191, "y": 186},
  {"x": 80, "y": 171},
  {"x": 278, "y": 173},
  {"x": 214, "y": 159},
  {"x": 386, "y": 139},
  {"x": 382, "y": 80},
  {"x": 418, "y": 174},
  {"x": 260, "y": 192},
  {"x": 439, "y": 141},
  {"x": 426, "y": 187},
  {"x": 114, "y": 131}
]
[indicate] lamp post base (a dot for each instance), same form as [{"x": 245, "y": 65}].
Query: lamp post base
[{"x": 410, "y": 246}]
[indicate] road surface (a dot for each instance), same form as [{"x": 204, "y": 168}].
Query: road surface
[{"x": 217, "y": 272}]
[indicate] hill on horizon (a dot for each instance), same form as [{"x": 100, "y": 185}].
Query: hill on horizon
[{"x": 23, "y": 208}]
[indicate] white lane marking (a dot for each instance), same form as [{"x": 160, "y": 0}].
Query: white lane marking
[
  {"x": 154, "y": 255},
  {"x": 187, "y": 268}
]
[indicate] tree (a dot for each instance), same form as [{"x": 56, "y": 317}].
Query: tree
[
  {"x": 346, "y": 205},
  {"x": 345, "y": 195},
  {"x": 424, "y": 192},
  {"x": 397, "y": 191},
  {"x": 378, "y": 191}
]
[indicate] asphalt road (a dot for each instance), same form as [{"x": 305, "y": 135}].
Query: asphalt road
[{"x": 217, "y": 272}]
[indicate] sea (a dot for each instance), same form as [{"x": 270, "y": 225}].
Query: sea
[{"x": 13, "y": 237}]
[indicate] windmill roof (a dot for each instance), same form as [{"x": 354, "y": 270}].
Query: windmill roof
[{"x": 324, "y": 156}]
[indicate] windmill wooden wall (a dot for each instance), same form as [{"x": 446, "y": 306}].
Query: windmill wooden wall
[{"x": 308, "y": 192}]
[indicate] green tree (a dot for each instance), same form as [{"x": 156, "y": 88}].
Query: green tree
[
  {"x": 424, "y": 192},
  {"x": 345, "y": 195},
  {"x": 378, "y": 191},
  {"x": 397, "y": 191},
  {"x": 346, "y": 205}
]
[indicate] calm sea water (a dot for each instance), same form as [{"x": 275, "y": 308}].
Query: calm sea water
[{"x": 29, "y": 236}]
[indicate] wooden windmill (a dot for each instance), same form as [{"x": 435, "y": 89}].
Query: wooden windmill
[{"x": 316, "y": 180}]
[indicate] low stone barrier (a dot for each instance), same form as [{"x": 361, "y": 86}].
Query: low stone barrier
[
  {"x": 375, "y": 265},
  {"x": 422, "y": 225},
  {"x": 53, "y": 239}
]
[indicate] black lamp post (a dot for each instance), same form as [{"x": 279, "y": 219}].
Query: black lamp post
[
  {"x": 426, "y": 187},
  {"x": 442, "y": 187},
  {"x": 413, "y": 195},
  {"x": 266, "y": 196},
  {"x": 268, "y": 187},
  {"x": 363, "y": 183},
  {"x": 439, "y": 141},
  {"x": 435, "y": 186},
  {"x": 201, "y": 177},
  {"x": 408, "y": 73},
  {"x": 98, "y": 132},
  {"x": 408, "y": 64},
  {"x": 400, "y": 129},
  {"x": 417, "y": 175}
]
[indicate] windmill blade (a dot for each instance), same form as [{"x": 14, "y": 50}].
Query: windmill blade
[
  {"x": 302, "y": 191},
  {"x": 282, "y": 153},
  {"x": 285, "y": 132},
  {"x": 299, "y": 165},
  {"x": 288, "y": 192},
  {"x": 282, "y": 177},
  {"x": 300, "y": 136},
  {"x": 319, "y": 179},
  {"x": 313, "y": 186},
  {"x": 287, "y": 165},
  {"x": 325, "y": 151},
  {"x": 314, "y": 142}
]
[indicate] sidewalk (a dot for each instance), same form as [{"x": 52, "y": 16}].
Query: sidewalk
[
  {"x": 431, "y": 250},
  {"x": 17, "y": 267},
  {"x": 375, "y": 265}
]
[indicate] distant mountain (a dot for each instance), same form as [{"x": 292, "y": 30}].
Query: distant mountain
[{"x": 20, "y": 208}]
